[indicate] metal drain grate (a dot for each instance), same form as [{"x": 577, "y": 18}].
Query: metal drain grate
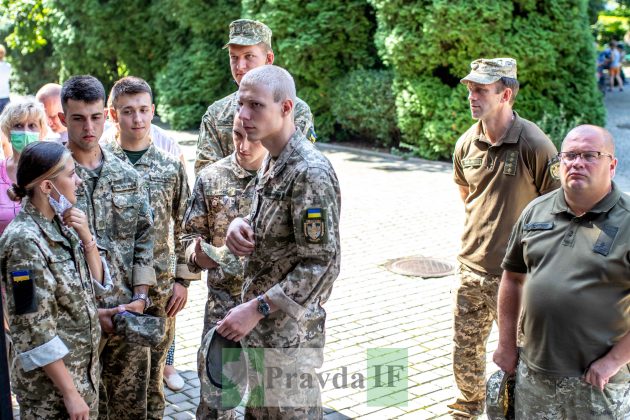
[{"x": 420, "y": 266}]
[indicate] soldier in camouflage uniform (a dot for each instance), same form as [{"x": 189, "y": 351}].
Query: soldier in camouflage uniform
[
  {"x": 115, "y": 200},
  {"x": 500, "y": 164},
  {"x": 567, "y": 263},
  {"x": 223, "y": 191},
  {"x": 165, "y": 177},
  {"x": 250, "y": 47},
  {"x": 51, "y": 271},
  {"x": 290, "y": 239}
]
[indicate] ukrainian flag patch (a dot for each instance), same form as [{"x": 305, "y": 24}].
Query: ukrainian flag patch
[
  {"x": 314, "y": 225},
  {"x": 23, "y": 275}
]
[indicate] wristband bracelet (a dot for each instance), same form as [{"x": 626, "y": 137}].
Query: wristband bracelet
[{"x": 87, "y": 247}]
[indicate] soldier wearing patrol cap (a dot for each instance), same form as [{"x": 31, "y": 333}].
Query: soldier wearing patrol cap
[
  {"x": 567, "y": 264},
  {"x": 249, "y": 47},
  {"x": 500, "y": 164}
]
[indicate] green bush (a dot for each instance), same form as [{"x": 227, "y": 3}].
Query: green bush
[
  {"x": 363, "y": 105},
  {"x": 197, "y": 71},
  {"x": 318, "y": 42},
  {"x": 430, "y": 45}
]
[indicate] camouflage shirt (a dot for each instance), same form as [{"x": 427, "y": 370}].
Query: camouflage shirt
[
  {"x": 215, "y": 131},
  {"x": 117, "y": 208},
  {"x": 223, "y": 191},
  {"x": 295, "y": 217},
  {"x": 167, "y": 182},
  {"x": 51, "y": 306}
]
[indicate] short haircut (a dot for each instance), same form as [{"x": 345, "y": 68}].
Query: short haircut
[
  {"x": 129, "y": 85},
  {"x": 48, "y": 91},
  {"x": 509, "y": 82},
  {"x": 82, "y": 88},
  {"x": 277, "y": 79},
  {"x": 38, "y": 161},
  {"x": 23, "y": 109}
]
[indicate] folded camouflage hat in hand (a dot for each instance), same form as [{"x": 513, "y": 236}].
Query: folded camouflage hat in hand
[
  {"x": 500, "y": 396},
  {"x": 142, "y": 329}
]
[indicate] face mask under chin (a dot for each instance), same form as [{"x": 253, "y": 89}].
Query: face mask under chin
[{"x": 60, "y": 206}]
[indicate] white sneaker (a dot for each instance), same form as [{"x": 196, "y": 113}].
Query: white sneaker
[{"x": 174, "y": 381}]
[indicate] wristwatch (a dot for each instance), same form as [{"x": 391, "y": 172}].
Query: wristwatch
[
  {"x": 144, "y": 297},
  {"x": 263, "y": 307}
]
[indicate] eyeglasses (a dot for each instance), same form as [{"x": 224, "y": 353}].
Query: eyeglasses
[{"x": 588, "y": 157}]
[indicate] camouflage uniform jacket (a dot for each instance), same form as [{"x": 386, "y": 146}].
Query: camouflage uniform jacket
[
  {"x": 223, "y": 191},
  {"x": 51, "y": 305},
  {"x": 295, "y": 218},
  {"x": 215, "y": 131},
  {"x": 119, "y": 216},
  {"x": 167, "y": 183}
]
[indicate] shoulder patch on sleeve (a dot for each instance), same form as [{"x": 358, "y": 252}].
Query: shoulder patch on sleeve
[
  {"x": 311, "y": 136},
  {"x": 554, "y": 168},
  {"x": 23, "y": 292},
  {"x": 314, "y": 225}
]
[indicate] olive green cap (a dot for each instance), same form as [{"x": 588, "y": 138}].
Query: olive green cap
[
  {"x": 487, "y": 71},
  {"x": 249, "y": 32}
]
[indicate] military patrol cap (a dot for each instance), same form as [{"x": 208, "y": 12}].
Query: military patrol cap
[
  {"x": 142, "y": 329},
  {"x": 500, "y": 396},
  {"x": 249, "y": 32},
  {"x": 486, "y": 71},
  {"x": 228, "y": 262}
]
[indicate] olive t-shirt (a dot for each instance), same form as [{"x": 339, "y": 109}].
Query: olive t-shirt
[
  {"x": 502, "y": 178},
  {"x": 576, "y": 296}
]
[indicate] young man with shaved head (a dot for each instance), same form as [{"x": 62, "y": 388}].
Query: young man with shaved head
[
  {"x": 290, "y": 241},
  {"x": 249, "y": 47},
  {"x": 567, "y": 266}
]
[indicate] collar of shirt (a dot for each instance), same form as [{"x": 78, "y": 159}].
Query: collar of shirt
[
  {"x": 511, "y": 135},
  {"x": 283, "y": 158},
  {"x": 237, "y": 169},
  {"x": 603, "y": 206}
]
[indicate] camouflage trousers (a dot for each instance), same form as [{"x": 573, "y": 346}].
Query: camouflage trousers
[
  {"x": 124, "y": 379},
  {"x": 156, "y": 401},
  {"x": 210, "y": 399},
  {"x": 51, "y": 406},
  {"x": 475, "y": 300},
  {"x": 544, "y": 397}
]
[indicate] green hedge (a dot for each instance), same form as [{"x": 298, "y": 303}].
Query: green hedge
[
  {"x": 318, "y": 42},
  {"x": 364, "y": 106},
  {"x": 430, "y": 44}
]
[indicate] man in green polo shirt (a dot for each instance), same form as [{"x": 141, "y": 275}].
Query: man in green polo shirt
[
  {"x": 567, "y": 263},
  {"x": 500, "y": 164}
]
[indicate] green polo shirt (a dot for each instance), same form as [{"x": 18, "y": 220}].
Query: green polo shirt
[
  {"x": 502, "y": 178},
  {"x": 576, "y": 300}
]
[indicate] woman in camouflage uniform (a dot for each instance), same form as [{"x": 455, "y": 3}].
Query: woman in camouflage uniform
[{"x": 51, "y": 269}]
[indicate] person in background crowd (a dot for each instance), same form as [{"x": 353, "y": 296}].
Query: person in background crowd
[
  {"x": 50, "y": 96},
  {"x": 22, "y": 122},
  {"x": 5, "y": 76}
]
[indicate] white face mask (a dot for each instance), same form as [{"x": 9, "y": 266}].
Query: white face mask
[{"x": 60, "y": 206}]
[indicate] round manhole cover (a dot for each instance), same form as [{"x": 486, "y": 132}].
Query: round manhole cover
[{"x": 421, "y": 267}]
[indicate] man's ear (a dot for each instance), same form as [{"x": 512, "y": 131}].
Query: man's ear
[
  {"x": 112, "y": 113},
  {"x": 62, "y": 118},
  {"x": 270, "y": 57},
  {"x": 287, "y": 107},
  {"x": 507, "y": 95}
]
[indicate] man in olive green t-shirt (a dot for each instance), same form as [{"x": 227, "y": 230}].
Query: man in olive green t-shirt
[
  {"x": 568, "y": 261},
  {"x": 500, "y": 164}
]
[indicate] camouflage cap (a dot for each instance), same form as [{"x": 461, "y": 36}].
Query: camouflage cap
[
  {"x": 249, "y": 32},
  {"x": 142, "y": 329},
  {"x": 229, "y": 263},
  {"x": 486, "y": 71},
  {"x": 222, "y": 363},
  {"x": 500, "y": 396}
]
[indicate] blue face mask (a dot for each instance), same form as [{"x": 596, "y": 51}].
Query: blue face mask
[
  {"x": 60, "y": 206},
  {"x": 21, "y": 139}
]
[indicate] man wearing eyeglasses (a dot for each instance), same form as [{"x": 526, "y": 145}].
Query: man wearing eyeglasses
[
  {"x": 500, "y": 164},
  {"x": 568, "y": 267}
]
